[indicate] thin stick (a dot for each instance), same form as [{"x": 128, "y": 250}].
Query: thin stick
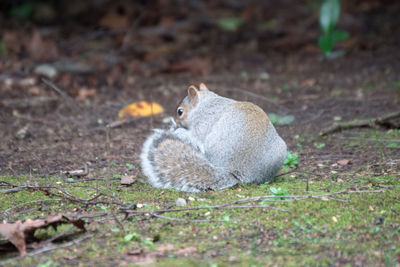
[
  {"x": 57, "y": 89},
  {"x": 273, "y": 198},
  {"x": 360, "y": 123},
  {"x": 5, "y": 212},
  {"x": 184, "y": 220},
  {"x": 223, "y": 206}
]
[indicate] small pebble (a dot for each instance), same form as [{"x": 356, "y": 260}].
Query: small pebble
[
  {"x": 46, "y": 70},
  {"x": 180, "y": 202}
]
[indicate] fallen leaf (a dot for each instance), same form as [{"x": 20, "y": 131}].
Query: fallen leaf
[
  {"x": 35, "y": 90},
  {"x": 84, "y": 93},
  {"x": 18, "y": 232},
  {"x": 141, "y": 109},
  {"x": 308, "y": 82},
  {"x": 114, "y": 21},
  {"x": 343, "y": 162},
  {"x": 371, "y": 208},
  {"x": 127, "y": 180},
  {"x": 15, "y": 235},
  {"x": 325, "y": 198}
]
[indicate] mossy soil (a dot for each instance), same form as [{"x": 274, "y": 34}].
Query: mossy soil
[{"x": 359, "y": 226}]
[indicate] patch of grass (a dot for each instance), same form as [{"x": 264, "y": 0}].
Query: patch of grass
[{"x": 314, "y": 231}]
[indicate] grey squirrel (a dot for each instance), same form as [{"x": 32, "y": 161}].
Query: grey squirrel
[{"x": 215, "y": 143}]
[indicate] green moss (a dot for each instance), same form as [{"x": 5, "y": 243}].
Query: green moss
[{"x": 314, "y": 232}]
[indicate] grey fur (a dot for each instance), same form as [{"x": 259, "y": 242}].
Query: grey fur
[{"x": 221, "y": 142}]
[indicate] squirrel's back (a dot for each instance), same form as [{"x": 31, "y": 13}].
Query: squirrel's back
[{"x": 244, "y": 141}]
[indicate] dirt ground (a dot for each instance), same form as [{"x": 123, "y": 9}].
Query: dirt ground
[
  {"x": 45, "y": 133},
  {"x": 285, "y": 76}
]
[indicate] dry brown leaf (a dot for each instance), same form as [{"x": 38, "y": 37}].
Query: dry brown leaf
[
  {"x": 308, "y": 82},
  {"x": 114, "y": 21},
  {"x": 343, "y": 162},
  {"x": 16, "y": 232},
  {"x": 371, "y": 208},
  {"x": 127, "y": 180},
  {"x": 15, "y": 235},
  {"x": 84, "y": 93}
]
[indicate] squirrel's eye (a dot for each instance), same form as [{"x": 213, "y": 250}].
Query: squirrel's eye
[{"x": 180, "y": 112}]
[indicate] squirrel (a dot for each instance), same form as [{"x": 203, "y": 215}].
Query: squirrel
[{"x": 215, "y": 143}]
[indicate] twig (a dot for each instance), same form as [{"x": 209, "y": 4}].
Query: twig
[
  {"x": 184, "y": 220},
  {"x": 303, "y": 197},
  {"x": 64, "y": 194},
  {"x": 367, "y": 139},
  {"x": 90, "y": 179},
  {"x": 382, "y": 121},
  {"x": 274, "y": 198},
  {"x": 388, "y": 186},
  {"x": 223, "y": 206},
  {"x": 5, "y": 212},
  {"x": 53, "y": 247},
  {"x": 57, "y": 89}
]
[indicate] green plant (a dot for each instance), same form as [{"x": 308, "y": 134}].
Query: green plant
[
  {"x": 378, "y": 143},
  {"x": 24, "y": 10},
  {"x": 280, "y": 120},
  {"x": 328, "y": 18},
  {"x": 278, "y": 191},
  {"x": 319, "y": 145},
  {"x": 292, "y": 160},
  {"x": 131, "y": 236},
  {"x": 230, "y": 24}
]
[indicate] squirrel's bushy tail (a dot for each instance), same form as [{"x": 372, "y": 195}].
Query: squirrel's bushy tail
[{"x": 170, "y": 162}]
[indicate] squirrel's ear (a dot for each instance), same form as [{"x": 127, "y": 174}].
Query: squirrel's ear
[
  {"x": 193, "y": 92},
  {"x": 203, "y": 87}
]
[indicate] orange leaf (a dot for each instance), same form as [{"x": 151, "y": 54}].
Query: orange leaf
[{"x": 141, "y": 109}]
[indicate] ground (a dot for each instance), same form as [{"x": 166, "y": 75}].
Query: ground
[{"x": 353, "y": 175}]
